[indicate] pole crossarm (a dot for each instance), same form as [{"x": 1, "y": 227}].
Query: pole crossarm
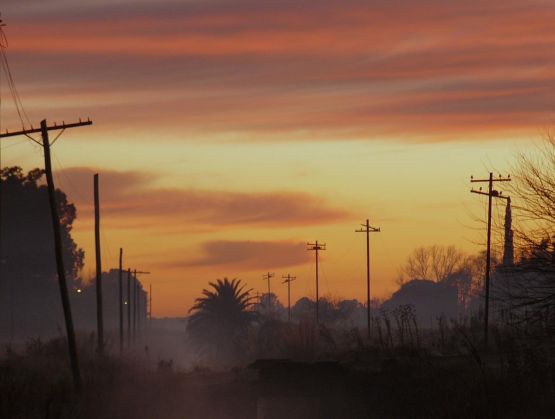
[
  {"x": 53, "y": 127},
  {"x": 499, "y": 179},
  {"x": 368, "y": 229},
  {"x": 316, "y": 246},
  {"x": 288, "y": 278},
  {"x": 494, "y": 193}
]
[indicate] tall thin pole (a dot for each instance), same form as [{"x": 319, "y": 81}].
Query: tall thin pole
[
  {"x": 134, "y": 305},
  {"x": 268, "y": 277},
  {"x": 491, "y": 194},
  {"x": 120, "y": 287},
  {"x": 139, "y": 316},
  {"x": 289, "y": 301},
  {"x": 43, "y": 130},
  {"x": 317, "y": 290},
  {"x": 99, "y": 317},
  {"x": 288, "y": 280},
  {"x": 316, "y": 248},
  {"x": 368, "y": 309},
  {"x": 488, "y": 261},
  {"x": 72, "y": 346},
  {"x": 128, "y": 307},
  {"x": 368, "y": 229}
]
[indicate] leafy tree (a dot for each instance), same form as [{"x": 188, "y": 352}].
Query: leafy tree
[
  {"x": 29, "y": 295},
  {"x": 221, "y": 319}
]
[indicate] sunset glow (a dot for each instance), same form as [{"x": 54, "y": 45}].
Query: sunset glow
[{"x": 228, "y": 136}]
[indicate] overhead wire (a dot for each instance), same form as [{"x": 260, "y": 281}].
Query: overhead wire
[
  {"x": 24, "y": 119},
  {"x": 20, "y": 109}
]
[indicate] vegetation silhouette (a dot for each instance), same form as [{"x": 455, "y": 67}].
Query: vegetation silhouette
[
  {"x": 29, "y": 300},
  {"x": 220, "y": 321}
]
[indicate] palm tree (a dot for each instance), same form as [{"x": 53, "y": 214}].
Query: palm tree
[{"x": 221, "y": 319}]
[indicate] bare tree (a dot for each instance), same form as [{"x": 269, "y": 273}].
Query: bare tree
[
  {"x": 435, "y": 263},
  {"x": 528, "y": 287},
  {"x": 533, "y": 191}
]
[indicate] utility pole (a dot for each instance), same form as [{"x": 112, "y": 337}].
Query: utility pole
[
  {"x": 491, "y": 193},
  {"x": 268, "y": 277},
  {"x": 99, "y": 318},
  {"x": 45, "y": 144},
  {"x": 120, "y": 287},
  {"x": 288, "y": 280},
  {"x": 134, "y": 305},
  {"x": 316, "y": 248},
  {"x": 368, "y": 229},
  {"x": 128, "y": 307}
]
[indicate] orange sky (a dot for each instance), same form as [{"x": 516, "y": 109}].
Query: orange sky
[{"x": 227, "y": 134}]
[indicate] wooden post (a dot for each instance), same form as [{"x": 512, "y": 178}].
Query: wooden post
[
  {"x": 120, "y": 287},
  {"x": 491, "y": 193},
  {"x": 488, "y": 261},
  {"x": 317, "y": 247},
  {"x": 368, "y": 229},
  {"x": 99, "y": 316},
  {"x": 72, "y": 346},
  {"x": 43, "y": 130},
  {"x": 134, "y": 305},
  {"x": 128, "y": 307}
]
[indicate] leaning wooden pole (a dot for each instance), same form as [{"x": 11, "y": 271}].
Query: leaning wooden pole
[
  {"x": 72, "y": 346},
  {"x": 99, "y": 317}
]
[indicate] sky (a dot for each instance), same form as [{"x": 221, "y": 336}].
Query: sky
[{"x": 227, "y": 134}]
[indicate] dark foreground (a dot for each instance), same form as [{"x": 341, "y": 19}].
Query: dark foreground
[{"x": 368, "y": 383}]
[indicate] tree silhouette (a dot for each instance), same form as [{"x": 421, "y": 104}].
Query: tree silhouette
[
  {"x": 528, "y": 286},
  {"x": 435, "y": 263},
  {"x": 221, "y": 319},
  {"x": 269, "y": 306},
  {"x": 29, "y": 297}
]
